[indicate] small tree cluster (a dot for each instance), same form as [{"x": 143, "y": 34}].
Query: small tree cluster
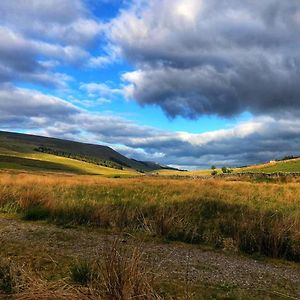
[
  {"x": 81, "y": 157},
  {"x": 226, "y": 170}
]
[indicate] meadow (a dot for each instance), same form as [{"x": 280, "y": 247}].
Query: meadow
[
  {"x": 62, "y": 237},
  {"x": 261, "y": 218},
  {"x": 41, "y": 162},
  {"x": 291, "y": 165}
]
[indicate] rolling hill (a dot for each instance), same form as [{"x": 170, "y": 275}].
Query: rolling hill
[
  {"x": 289, "y": 165},
  {"x": 285, "y": 166},
  {"x": 38, "y": 152}
]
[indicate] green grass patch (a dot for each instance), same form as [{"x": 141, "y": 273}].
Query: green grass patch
[
  {"x": 288, "y": 166},
  {"x": 20, "y": 163}
]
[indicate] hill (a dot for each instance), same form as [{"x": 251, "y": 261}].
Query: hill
[
  {"x": 75, "y": 156},
  {"x": 289, "y": 165},
  {"x": 286, "y": 166}
]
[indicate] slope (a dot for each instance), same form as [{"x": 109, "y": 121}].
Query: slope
[
  {"x": 291, "y": 165},
  {"x": 27, "y": 144}
]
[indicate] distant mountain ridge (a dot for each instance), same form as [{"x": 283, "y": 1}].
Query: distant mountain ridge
[{"x": 20, "y": 142}]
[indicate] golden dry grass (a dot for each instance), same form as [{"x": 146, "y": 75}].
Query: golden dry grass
[
  {"x": 118, "y": 274},
  {"x": 257, "y": 217}
]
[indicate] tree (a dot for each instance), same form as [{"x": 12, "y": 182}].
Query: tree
[{"x": 224, "y": 170}]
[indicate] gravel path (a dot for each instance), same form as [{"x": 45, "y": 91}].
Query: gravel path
[{"x": 174, "y": 260}]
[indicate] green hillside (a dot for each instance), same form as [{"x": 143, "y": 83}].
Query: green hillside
[
  {"x": 51, "y": 163},
  {"x": 97, "y": 157},
  {"x": 291, "y": 165},
  {"x": 22, "y": 163}
]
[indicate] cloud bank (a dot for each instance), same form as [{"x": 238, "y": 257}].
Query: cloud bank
[
  {"x": 248, "y": 142},
  {"x": 212, "y": 57}
]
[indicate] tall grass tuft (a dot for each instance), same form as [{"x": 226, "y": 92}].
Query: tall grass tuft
[
  {"x": 124, "y": 275},
  {"x": 81, "y": 272},
  {"x": 8, "y": 277}
]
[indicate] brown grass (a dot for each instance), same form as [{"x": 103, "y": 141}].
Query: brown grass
[
  {"x": 257, "y": 217},
  {"x": 118, "y": 274},
  {"x": 22, "y": 283},
  {"x": 123, "y": 275}
]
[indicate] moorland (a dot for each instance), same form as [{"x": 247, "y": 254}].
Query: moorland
[{"x": 72, "y": 227}]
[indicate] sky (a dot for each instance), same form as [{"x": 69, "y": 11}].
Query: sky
[{"x": 185, "y": 83}]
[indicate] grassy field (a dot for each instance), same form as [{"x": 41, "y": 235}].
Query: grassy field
[
  {"x": 64, "y": 234},
  {"x": 260, "y": 219},
  {"x": 185, "y": 173},
  {"x": 51, "y": 163},
  {"x": 21, "y": 163},
  {"x": 257, "y": 217},
  {"x": 80, "y": 166},
  {"x": 30, "y": 144},
  {"x": 292, "y": 165}
]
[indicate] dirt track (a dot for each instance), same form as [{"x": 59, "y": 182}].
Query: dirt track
[{"x": 52, "y": 245}]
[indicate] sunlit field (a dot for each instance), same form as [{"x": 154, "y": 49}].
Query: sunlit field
[
  {"x": 257, "y": 217},
  {"x": 51, "y": 163},
  {"x": 291, "y": 165}
]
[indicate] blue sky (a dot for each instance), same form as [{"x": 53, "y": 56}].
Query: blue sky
[{"x": 186, "y": 83}]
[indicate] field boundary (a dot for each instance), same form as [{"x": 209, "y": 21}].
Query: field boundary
[{"x": 254, "y": 175}]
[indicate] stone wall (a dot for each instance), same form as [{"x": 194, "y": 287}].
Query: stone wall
[
  {"x": 239, "y": 175},
  {"x": 261, "y": 175}
]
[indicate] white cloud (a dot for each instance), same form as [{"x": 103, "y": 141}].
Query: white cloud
[{"x": 101, "y": 89}]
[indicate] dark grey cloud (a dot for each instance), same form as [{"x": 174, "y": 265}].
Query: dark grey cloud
[{"x": 220, "y": 57}]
